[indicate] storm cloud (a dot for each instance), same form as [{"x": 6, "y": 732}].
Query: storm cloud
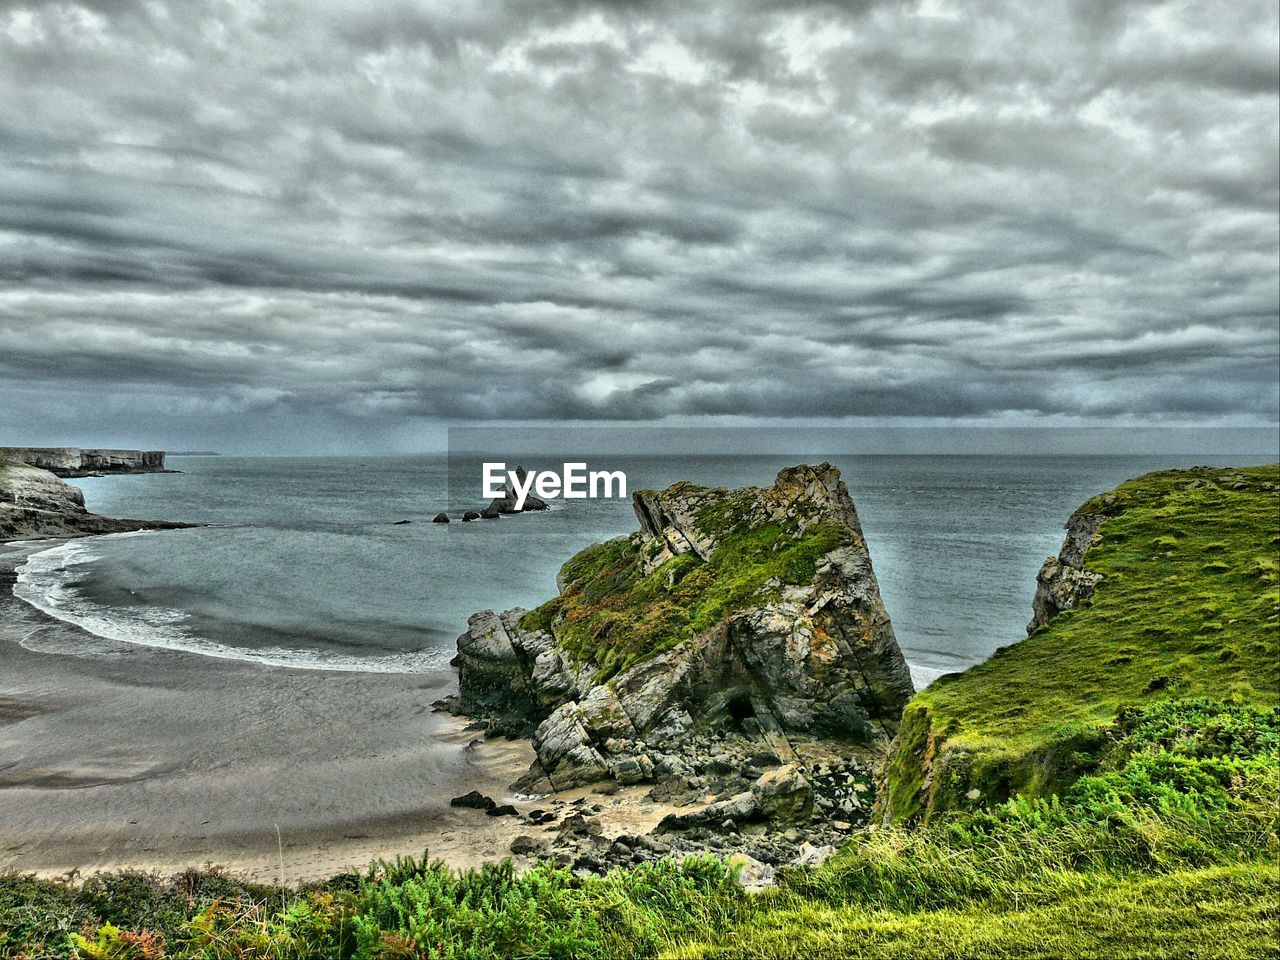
[{"x": 374, "y": 218}]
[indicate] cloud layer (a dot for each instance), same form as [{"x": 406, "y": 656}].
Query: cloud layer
[{"x": 407, "y": 213}]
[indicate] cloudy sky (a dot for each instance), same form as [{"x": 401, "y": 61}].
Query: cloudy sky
[{"x": 288, "y": 225}]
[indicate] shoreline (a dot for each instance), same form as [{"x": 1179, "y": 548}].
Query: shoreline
[
  {"x": 54, "y": 668},
  {"x": 61, "y": 688}
]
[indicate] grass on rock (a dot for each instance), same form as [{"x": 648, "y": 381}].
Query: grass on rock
[
  {"x": 1189, "y": 605},
  {"x": 612, "y": 614},
  {"x": 1159, "y": 836}
]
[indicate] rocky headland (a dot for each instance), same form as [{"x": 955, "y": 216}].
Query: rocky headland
[
  {"x": 87, "y": 462},
  {"x": 35, "y": 504},
  {"x": 1163, "y": 587},
  {"x": 732, "y": 656}
]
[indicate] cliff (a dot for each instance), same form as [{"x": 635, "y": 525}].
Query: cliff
[
  {"x": 731, "y": 621},
  {"x": 34, "y": 504},
  {"x": 1164, "y": 588},
  {"x": 75, "y": 462}
]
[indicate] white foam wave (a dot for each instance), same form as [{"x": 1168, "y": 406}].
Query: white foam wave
[
  {"x": 922, "y": 676},
  {"x": 47, "y": 581}
]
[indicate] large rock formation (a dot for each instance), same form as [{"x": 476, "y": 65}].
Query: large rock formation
[
  {"x": 77, "y": 462},
  {"x": 34, "y": 503},
  {"x": 751, "y": 614},
  {"x": 1063, "y": 582}
]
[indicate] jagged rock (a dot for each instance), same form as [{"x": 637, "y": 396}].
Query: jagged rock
[
  {"x": 507, "y": 502},
  {"x": 505, "y": 810},
  {"x": 652, "y": 845},
  {"x": 1063, "y": 582},
  {"x": 578, "y": 825},
  {"x": 498, "y": 686},
  {"x": 809, "y": 652},
  {"x": 470, "y": 515},
  {"x": 565, "y": 750},
  {"x": 783, "y": 794},
  {"x": 440, "y": 518},
  {"x": 741, "y": 808}
]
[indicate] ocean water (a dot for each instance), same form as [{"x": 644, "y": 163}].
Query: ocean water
[{"x": 304, "y": 566}]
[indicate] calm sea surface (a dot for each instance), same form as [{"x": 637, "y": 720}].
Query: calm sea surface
[{"x": 305, "y": 566}]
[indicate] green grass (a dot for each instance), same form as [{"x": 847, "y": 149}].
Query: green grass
[
  {"x": 612, "y": 614},
  {"x": 1189, "y": 605},
  {"x": 1158, "y": 836},
  {"x": 1225, "y": 912},
  {"x": 1168, "y": 849},
  {"x": 410, "y": 908}
]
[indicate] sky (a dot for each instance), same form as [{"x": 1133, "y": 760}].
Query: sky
[{"x": 314, "y": 226}]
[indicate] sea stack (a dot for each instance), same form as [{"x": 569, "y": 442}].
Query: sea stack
[{"x": 746, "y": 618}]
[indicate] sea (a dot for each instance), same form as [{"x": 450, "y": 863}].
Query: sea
[{"x": 305, "y": 563}]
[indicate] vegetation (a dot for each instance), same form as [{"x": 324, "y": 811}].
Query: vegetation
[
  {"x": 1169, "y": 849},
  {"x": 1189, "y": 605},
  {"x": 612, "y": 614},
  {"x": 410, "y": 908},
  {"x": 1157, "y": 834}
]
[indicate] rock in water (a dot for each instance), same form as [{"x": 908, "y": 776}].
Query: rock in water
[
  {"x": 750, "y": 613},
  {"x": 440, "y": 518},
  {"x": 507, "y": 502}
]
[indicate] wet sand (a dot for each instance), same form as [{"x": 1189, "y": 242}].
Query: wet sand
[{"x": 116, "y": 755}]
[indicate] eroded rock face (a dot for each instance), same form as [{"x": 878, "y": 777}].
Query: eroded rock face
[
  {"x": 77, "y": 462},
  {"x": 776, "y": 652},
  {"x": 34, "y": 503},
  {"x": 1063, "y": 582}
]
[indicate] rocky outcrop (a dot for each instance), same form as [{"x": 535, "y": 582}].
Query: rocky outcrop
[
  {"x": 733, "y": 621},
  {"x": 34, "y": 503},
  {"x": 507, "y": 503},
  {"x": 1063, "y": 582},
  {"x": 77, "y": 462},
  {"x": 501, "y": 505}
]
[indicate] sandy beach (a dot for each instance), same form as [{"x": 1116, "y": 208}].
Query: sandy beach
[{"x": 114, "y": 755}]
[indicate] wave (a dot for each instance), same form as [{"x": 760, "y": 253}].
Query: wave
[
  {"x": 922, "y": 676},
  {"x": 48, "y": 581}
]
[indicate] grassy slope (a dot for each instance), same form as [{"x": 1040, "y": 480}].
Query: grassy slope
[
  {"x": 1167, "y": 846},
  {"x": 1189, "y": 606},
  {"x": 1168, "y": 850},
  {"x": 1226, "y": 912}
]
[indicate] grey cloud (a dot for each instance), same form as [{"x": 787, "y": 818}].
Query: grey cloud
[{"x": 369, "y": 217}]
